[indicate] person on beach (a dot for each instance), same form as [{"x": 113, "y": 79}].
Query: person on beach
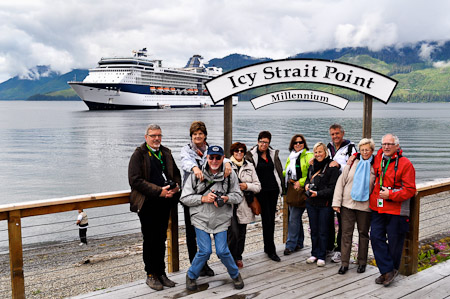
[
  {"x": 340, "y": 150},
  {"x": 242, "y": 213},
  {"x": 270, "y": 174},
  {"x": 295, "y": 172},
  {"x": 210, "y": 204},
  {"x": 193, "y": 158},
  {"x": 389, "y": 201},
  {"x": 351, "y": 200},
  {"x": 154, "y": 179},
  {"x": 82, "y": 222},
  {"x": 319, "y": 186}
]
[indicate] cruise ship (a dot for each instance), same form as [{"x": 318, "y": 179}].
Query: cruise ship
[{"x": 139, "y": 82}]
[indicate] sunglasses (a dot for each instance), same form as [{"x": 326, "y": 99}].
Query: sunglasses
[
  {"x": 215, "y": 157},
  {"x": 298, "y": 142},
  {"x": 239, "y": 151}
]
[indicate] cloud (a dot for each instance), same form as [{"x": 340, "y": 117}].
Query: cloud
[
  {"x": 75, "y": 34},
  {"x": 441, "y": 64}
]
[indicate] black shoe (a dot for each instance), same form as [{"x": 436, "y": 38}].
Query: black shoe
[
  {"x": 153, "y": 282},
  {"x": 298, "y": 248},
  {"x": 206, "y": 271},
  {"x": 288, "y": 251},
  {"x": 166, "y": 281},
  {"x": 191, "y": 284},
  {"x": 361, "y": 269},
  {"x": 343, "y": 270},
  {"x": 389, "y": 277},
  {"x": 274, "y": 257},
  {"x": 238, "y": 282}
]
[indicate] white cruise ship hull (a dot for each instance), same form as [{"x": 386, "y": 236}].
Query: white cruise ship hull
[{"x": 131, "y": 96}]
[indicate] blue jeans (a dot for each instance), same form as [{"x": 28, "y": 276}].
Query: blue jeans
[
  {"x": 390, "y": 228},
  {"x": 319, "y": 218},
  {"x": 205, "y": 250},
  {"x": 296, "y": 235}
]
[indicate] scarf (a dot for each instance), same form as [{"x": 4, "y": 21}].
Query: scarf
[
  {"x": 236, "y": 162},
  {"x": 361, "y": 180},
  {"x": 198, "y": 150},
  {"x": 291, "y": 171},
  {"x": 318, "y": 166}
]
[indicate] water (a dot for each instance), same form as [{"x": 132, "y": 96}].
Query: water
[{"x": 57, "y": 149}]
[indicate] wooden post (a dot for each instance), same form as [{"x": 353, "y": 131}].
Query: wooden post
[
  {"x": 173, "y": 248},
  {"x": 410, "y": 253},
  {"x": 227, "y": 125},
  {"x": 367, "y": 117},
  {"x": 16, "y": 254},
  {"x": 285, "y": 219}
]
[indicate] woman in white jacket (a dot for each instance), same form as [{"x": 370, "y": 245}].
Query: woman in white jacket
[
  {"x": 351, "y": 199},
  {"x": 242, "y": 214}
]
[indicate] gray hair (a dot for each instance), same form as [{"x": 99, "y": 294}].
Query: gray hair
[
  {"x": 152, "y": 127},
  {"x": 396, "y": 140},
  {"x": 322, "y": 145},
  {"x": 368, "y": 141}
]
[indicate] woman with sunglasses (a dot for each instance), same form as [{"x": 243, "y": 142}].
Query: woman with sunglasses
[
  {"x": 242, "y": 214},
  {"x": 351, "y": 199},
  {"x": 295, "y": 172},
  {"x": 270, "y": 173}
]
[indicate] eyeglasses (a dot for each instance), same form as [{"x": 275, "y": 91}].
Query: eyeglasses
[
  {"x": 215, "y": 157},
  {"x": 365, "y": 150},
  {"x": 239, "y": 151},
  {"x": 387, "y": 144},
  {"x": 155, "y": 136},
  {"x": 298, "y": 142},
  {"x": 264, "y": 142}
]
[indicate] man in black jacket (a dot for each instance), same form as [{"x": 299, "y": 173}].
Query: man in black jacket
[{"x": 152, "y": 172}]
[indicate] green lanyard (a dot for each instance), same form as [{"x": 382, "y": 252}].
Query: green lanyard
[
  {"x": 385, "y": 169},
  {"x": 159, "y": 156}
]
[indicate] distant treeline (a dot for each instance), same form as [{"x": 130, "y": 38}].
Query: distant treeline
[{"x": 43, "y": 97}]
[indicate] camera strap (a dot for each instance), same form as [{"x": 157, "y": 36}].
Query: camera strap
[{"x": 207, "y": 188}]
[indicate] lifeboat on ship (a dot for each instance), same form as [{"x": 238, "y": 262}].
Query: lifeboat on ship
[
  {"x": 152, "y": 89},
  {"x": 173, "y": 90},
  {"x": 159, "y": 89},
  {"x": 166, "y": 89}
]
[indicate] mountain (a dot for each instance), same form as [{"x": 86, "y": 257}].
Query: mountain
[
  {"x": 414, "y": 66},
  {"x": 40, "y": 81}
]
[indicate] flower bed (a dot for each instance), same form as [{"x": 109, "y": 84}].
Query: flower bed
[{"x": 433, "y": 253}]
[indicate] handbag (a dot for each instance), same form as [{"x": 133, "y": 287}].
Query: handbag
[
  {"x": 295, "y": 198},
  {"x": 255, "y": 206}
]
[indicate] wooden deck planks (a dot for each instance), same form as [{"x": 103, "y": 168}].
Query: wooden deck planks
[{"x": 293, "y": 278}]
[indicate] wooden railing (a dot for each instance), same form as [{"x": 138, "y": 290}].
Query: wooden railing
[{"x": 13, "y": 213}]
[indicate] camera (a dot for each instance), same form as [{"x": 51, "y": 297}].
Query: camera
[
  {"x": 219, "y": 198},
  {"x": 312, "y": 187},
  {"x": 249, "y": 195},
  {"x": 171, "y": 183}
]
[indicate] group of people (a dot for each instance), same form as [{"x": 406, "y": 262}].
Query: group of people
[{"x": 219, "y": 196}]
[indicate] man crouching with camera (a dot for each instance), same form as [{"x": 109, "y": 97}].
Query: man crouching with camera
[{"x": 210, "y": 202}]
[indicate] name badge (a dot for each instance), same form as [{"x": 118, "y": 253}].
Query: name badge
[{"x": 380, "y": 203}]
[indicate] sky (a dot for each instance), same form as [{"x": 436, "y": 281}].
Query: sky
[{"x": 77, "y": 33}]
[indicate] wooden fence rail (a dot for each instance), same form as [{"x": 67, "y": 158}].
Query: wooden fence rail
[{"x": 13, "y": 213}]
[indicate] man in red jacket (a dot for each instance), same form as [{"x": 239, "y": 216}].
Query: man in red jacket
[{"x": 394, "y": 186}]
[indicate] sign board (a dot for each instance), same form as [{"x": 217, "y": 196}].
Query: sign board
[
  {"x": 302, "y": 70},
  {"x": 299, "y": 95}
]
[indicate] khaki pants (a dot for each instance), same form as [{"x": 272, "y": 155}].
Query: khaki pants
[{"x": 362, "y": 219}]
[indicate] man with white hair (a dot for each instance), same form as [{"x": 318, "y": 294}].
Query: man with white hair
[{"x": 395, "y": 184}]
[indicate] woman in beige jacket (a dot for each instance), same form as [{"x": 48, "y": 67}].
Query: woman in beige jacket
[
  {"x": 242, "y": 214},
  {"x": 351, "y": 199}
]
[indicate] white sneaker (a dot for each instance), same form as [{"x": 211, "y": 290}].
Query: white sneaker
[
  {"x": 336, "y": 257},
  {"x": 320, "y": 263},
  {"x": 311, "y": 260},
  {"x": 81, "y": 244}
]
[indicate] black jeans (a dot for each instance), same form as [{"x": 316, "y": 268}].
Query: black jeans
[
  {"x": 191, "y": 240},
  {"x": 236, "y": 236},
  {"x": 82, "y": 232},
  {"x": 154, "y": 217},
  {"x": 268, "y": 201}
]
